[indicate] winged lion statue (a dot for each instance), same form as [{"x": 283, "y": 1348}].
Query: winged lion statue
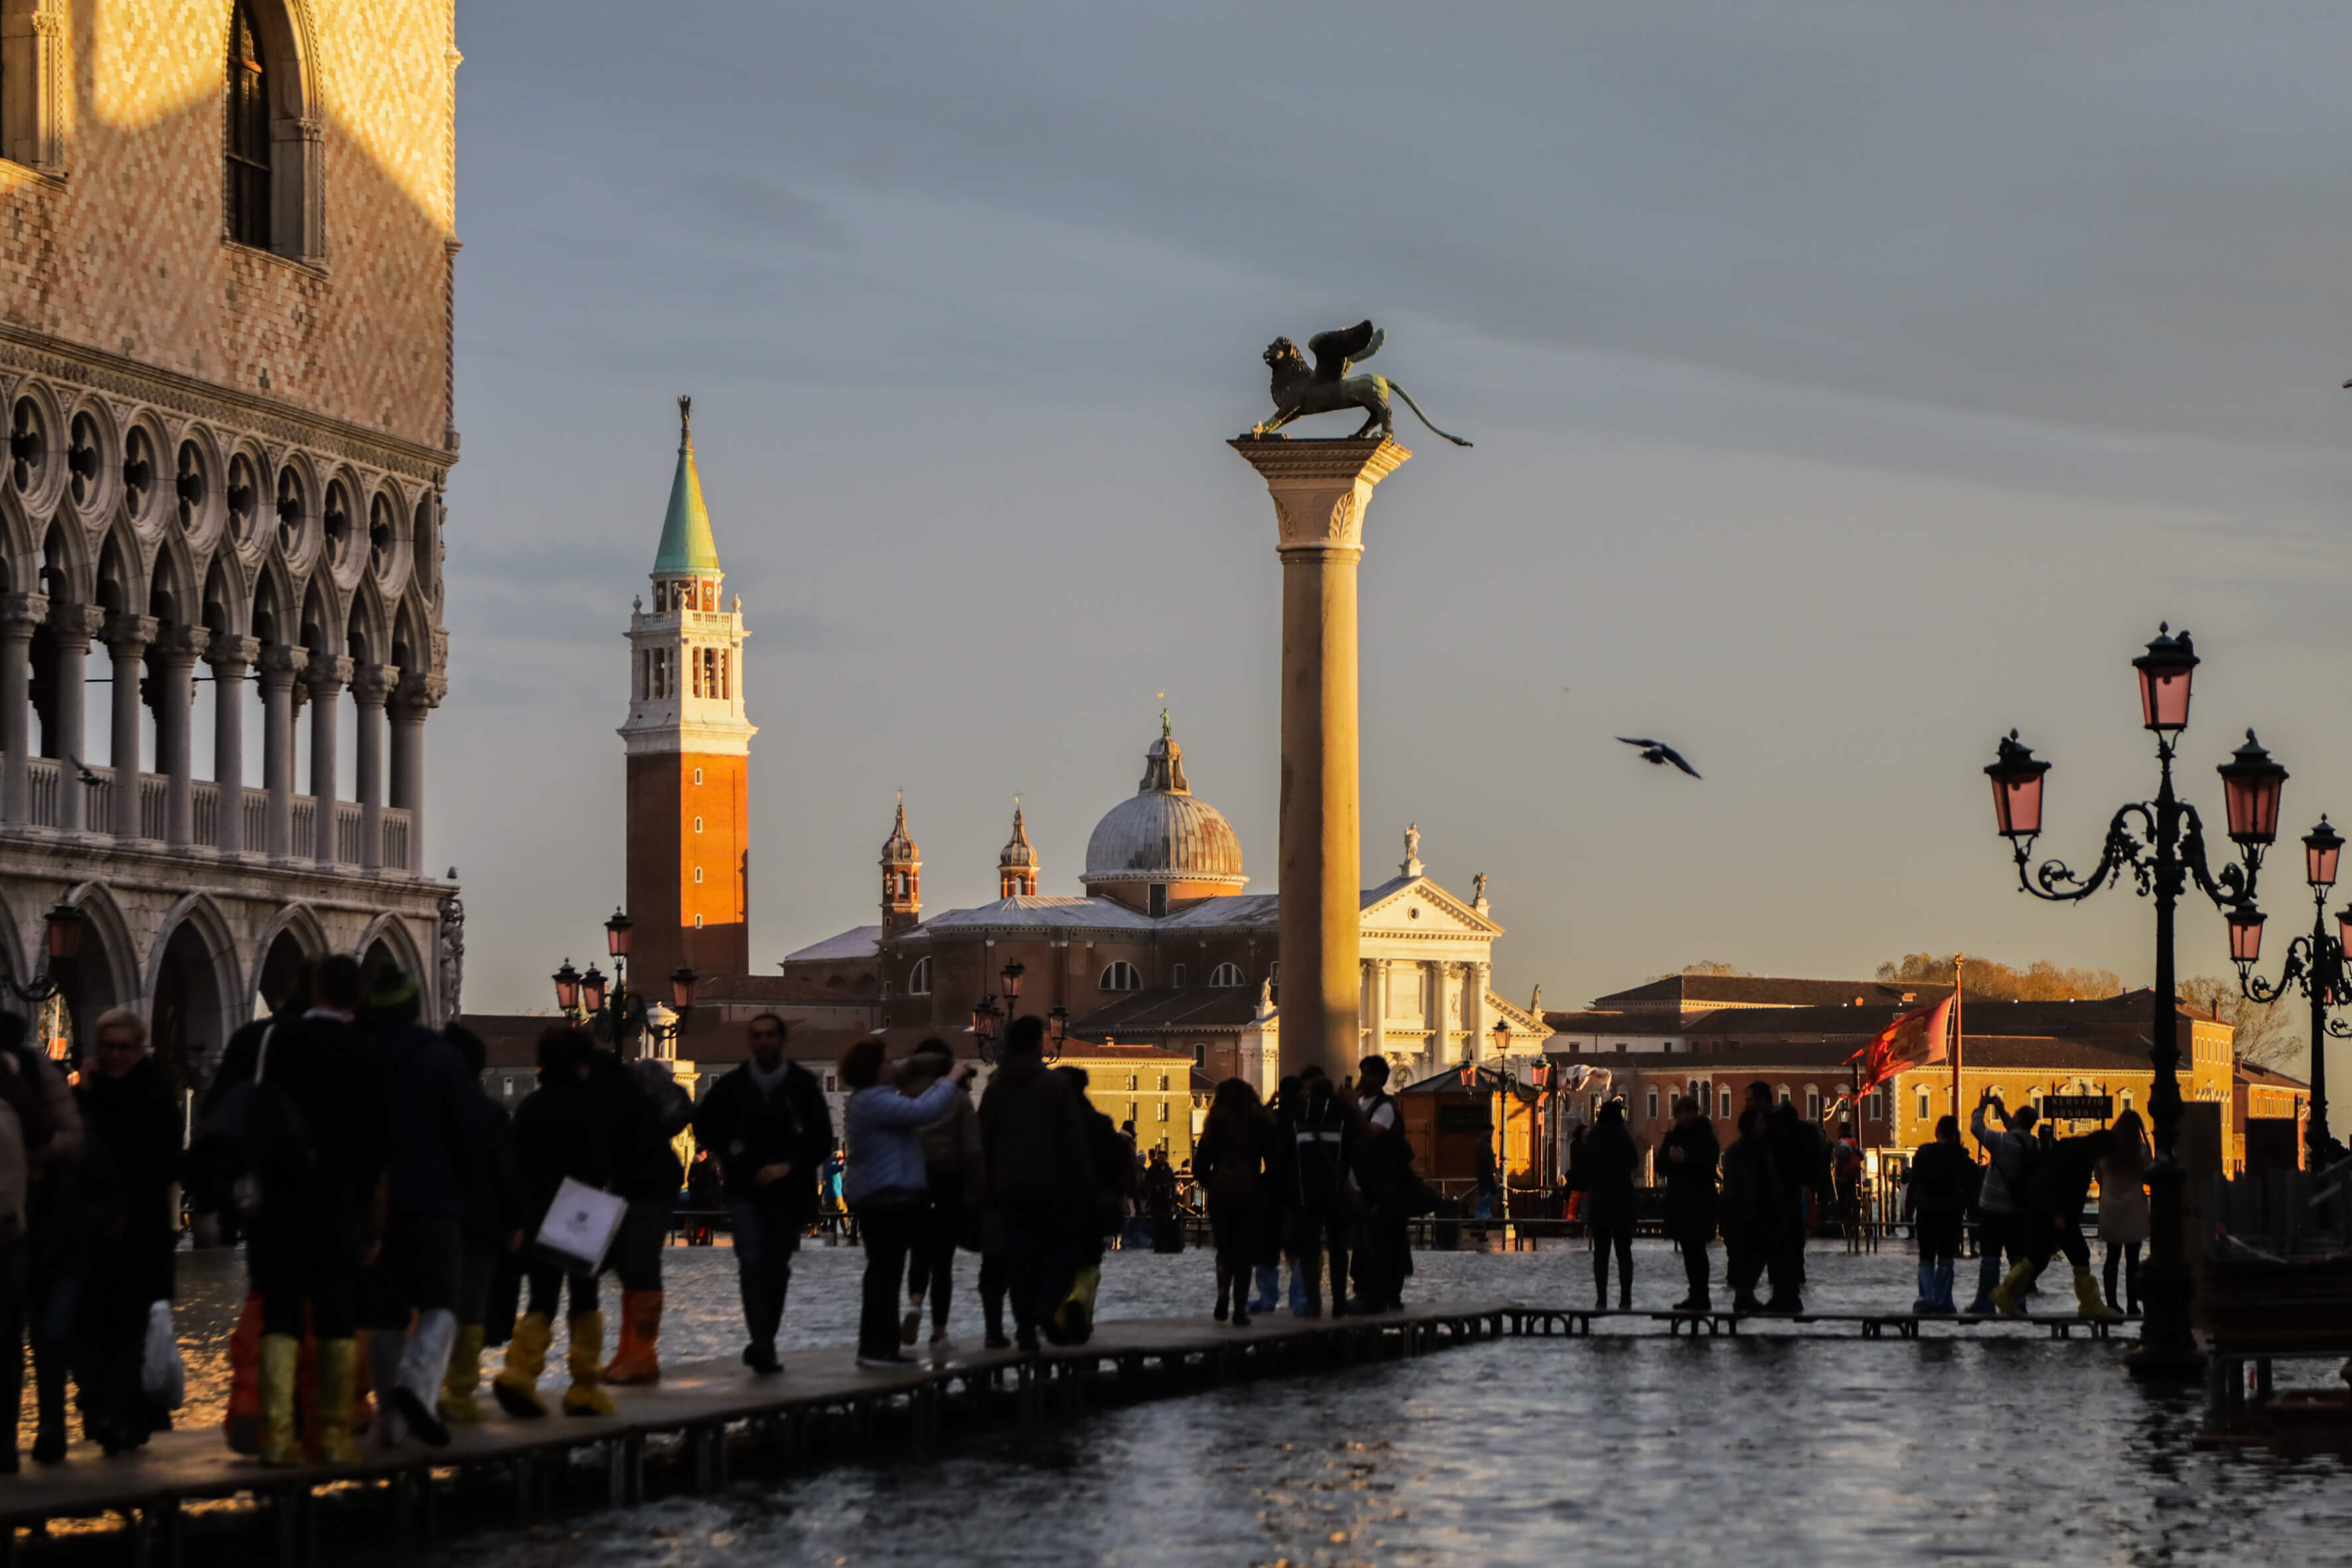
[{"x": 1328, "y": 388}]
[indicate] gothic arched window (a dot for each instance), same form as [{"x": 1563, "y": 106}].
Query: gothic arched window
[{"x": 246, "y": 141}]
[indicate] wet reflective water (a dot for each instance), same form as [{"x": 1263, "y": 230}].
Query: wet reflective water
[{"x": 1795, "y": 1452}]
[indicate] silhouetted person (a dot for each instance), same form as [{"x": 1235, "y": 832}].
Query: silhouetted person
[
  {"x": 1041, "y": 1186},
  {"x": 768, "y": 1125},
  {"x": 1688, "y": 1155},
  {"x": 1750, "y": 1210},
  {"x": 1230, "y": 1163},
  {"x": 1322, "y": 1150},
  {"x": 130, "y": 1111},
  {"x": 1608, "y": 1160},
  {"x": 2012, "y": 1155},
  {"x": 2123, "y": 1207},
  {"x": 1934, "y": 1199}
]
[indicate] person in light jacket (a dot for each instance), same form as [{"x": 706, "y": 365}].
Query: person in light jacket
[
  {"x": 951, "y": 1168},
  {"x": 2123, "y": 1207},
  {"x": 2001, "y": 1201},
  {"x": 886, "y": 1184}
]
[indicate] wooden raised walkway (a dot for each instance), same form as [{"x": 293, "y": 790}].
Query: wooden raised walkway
[{"x": 703, "y": 1417}]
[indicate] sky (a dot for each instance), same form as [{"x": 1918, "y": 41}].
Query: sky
[{"x": 1850, "y": 383}]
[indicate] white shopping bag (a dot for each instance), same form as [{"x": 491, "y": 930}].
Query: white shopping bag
[
  {"x": 580, "y": 1225},
  {"x": 161, "y": 1373}
]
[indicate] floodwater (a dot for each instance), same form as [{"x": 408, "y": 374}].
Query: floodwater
[{"x": 1779, "y": 1452}]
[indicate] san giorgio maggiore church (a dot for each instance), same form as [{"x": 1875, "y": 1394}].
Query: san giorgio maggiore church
[
  {"x": 1165, "y": 947},
  {"x": 226, "y": 334}
]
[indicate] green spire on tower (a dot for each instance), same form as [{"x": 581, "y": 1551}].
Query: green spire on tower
[{"x": 686, "y": 541}]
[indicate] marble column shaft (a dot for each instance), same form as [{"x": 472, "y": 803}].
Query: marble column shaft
[
  {"x": 71, "y": 626},
  {"x": 325, "y": 679},
  {"x": 127, "y": 637},
  {"x": 230, "y": 657},
  {"x": 281, "y": 667},
  {"x": 20, "y": 615},
  {"x": 172, "y": 655},
  {"x": 371, "y": 687},
  {"x": 1320, "y": 491}
]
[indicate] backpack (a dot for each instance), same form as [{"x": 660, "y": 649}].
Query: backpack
[{"x": 267, "y": 1128}]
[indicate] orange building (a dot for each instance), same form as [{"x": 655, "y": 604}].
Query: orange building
[{"x": 688, "y": 748}]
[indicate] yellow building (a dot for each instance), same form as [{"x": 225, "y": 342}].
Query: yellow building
[{"x": 1147, "y": 1085}]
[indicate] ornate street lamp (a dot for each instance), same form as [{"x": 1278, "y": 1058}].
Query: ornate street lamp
[
  {"x": 1057, "y": 1029},
  {"x": 984, "y": 1019},
  {"x": 592, "y": 989},
  {"x": 2315, "y": 965},
  {"x": 2162, "y": 844},
  {"x": 64, "y": 945},
  {"x": 567, "y": 988},
  {"x": 590, "y": 1000},
  {"x": 1506, "y": 1083}
]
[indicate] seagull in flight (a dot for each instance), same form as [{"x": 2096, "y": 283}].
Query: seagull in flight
[
  {"x": 1657, "y": 753},
  {"x": 88, "y": 777}
]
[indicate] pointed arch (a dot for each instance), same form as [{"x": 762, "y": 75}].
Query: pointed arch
[
  {"x": 107, "y": 967},
  {"x": 389, "y": 939},
  {"x": 297, "y": 921},
  {"x": 195, "y": 989},
  {"x": 274, "y": 617},
  {"x": 120, "y": 588},
  {"x": 64, "y": 570},
  {"x": 20, "y": 552},
  {"x": 364, "y": 635},
  {"x": 225, "y": 603},
  {"x": 16, "y": 943},
  {"x": 172, "y": 594},
  {"x": 321, "y": 621}
]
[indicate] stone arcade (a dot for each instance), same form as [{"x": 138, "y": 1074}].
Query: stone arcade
[{"x": 226, "y": 363}]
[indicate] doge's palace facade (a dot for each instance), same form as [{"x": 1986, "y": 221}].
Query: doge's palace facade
[{"x": 226, "y": 325}]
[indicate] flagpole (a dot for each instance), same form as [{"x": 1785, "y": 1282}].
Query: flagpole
[{"x": 1958, "y": 1034}]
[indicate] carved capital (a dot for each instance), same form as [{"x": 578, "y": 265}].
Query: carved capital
[
  {"x": 181, "y": 644},
  {"x": 372, "y": 684},
  {"x": 419, "y": 694},
  {"x": 75, "y": 625},
  {"x": 128, "y": 635},
  {"x": 46, "y": 24},
  {"x": 281, "y": 663},
  {"x": 326, "y": 677},
  {"x": 231, "y": 657},
  {"x": 1320, "y": 488},
  {"x": 20, "y": 613}
]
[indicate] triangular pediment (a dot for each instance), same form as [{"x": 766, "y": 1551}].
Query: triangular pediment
[{"x": 1419, "y": 907}]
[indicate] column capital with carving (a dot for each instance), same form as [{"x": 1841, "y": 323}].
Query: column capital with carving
[
  {"x": 20, "y": 613},
  {"x": 1320, "y": 488},
  {"x": 373, "y": 684},
  {"x": 282, "y": 663},
  {"x": 419, "y": 693},
  {"x": 180, "y": 641},
  {"x": 233, "y": 653},
  {"x": 328, "y": 675},
  {"x": 131, "y": 633},
  {"x": 75, "y": 625}
]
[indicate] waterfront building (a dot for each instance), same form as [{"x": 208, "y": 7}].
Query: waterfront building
[
  {"x": 226, "y": 357},
  {"x": 1164, "y": 947}
]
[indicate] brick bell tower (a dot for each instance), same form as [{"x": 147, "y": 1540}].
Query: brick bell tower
[{"x": 688, "y": 752}]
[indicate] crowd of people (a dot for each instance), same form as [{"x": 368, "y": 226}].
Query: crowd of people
[{"x": 395, "y": 1216}]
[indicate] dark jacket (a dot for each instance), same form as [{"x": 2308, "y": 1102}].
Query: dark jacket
[
  {"x": 1690, "y": 1180},
  {"x": 1159, "y": 1190},
  {"x": 1800, "y": 1155},
  {"x": 745, "y": 1129},
  {"x": 1034, "y": 1144},
  {"x": 427, "y": 1158},
  {"x": 335, "y": 1084},
  {"x": 2061, "y": 1181},
  {"x": 498, "y": 1200},
  {"x": 1383, "y": 1156},
  {"x": 646, "y": 1167},
  {"x": 569, "y": 1127},
  {"x": 1939, "y": 1181},
  {"x": 1322, "y": 1147},
  {"x": 1750, "y": 1209},
  {"x": 1610, "y": 1157},
  {"x": 1230, "y": 1159},
  {"x": 136, "y": 1118}
]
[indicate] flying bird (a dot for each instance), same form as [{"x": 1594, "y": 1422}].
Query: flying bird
[
  {"x": 86, "y": 776},
  {"x": 1657, "y": 753}
]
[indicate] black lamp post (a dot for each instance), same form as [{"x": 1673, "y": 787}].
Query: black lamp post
[
  {"x": 984, "y": 1019},
  {"x": 590, "y": 1000},
  {"x": 2314, "y": 965},
  {"x": 64, "y": 923},
  {"x": 2162, "y": 844},
  {"x": 1507, "y": 1084}
]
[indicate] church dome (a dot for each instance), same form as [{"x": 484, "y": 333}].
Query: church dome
[{"x": 1162, "y": 834}]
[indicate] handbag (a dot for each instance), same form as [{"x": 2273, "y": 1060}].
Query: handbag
[
  {"x": 580, "y": 1225},
  {"x": 161, "y": 1373}
]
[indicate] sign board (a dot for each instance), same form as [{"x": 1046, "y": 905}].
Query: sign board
[
  {"x": 2078, "y": 1107},
  {"x": 1464, "y": 1119}
]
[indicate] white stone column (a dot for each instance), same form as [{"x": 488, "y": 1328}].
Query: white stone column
[
  {"x": 281, "y": 667},
  {"x": 1320, "y": 489},
  {"x": 173, "y": 654},
  {"x": 1473, "y": 1010},
  {"x": 325, "y": 679},
  {"x": 70, "y": 629},
  {"x": 127, "y": 637},
  {"x": 230, "y": 657},
  {"x": 371, "y": 687},
  {"x": 418, "y": 696},
  {"x": 20, "y": 615}
]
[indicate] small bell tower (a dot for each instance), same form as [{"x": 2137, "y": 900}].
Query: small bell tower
[
  {"x": 1017, "y": 869},
  {"x": 902, "y": 879},
  {"x": 688, "y": 749}
]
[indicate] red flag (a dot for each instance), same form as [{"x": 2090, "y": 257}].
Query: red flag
[{"x": 1912, "y": 1040}]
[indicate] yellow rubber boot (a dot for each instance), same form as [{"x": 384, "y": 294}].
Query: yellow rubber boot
[
  {"x": 2004, "y": 1295},
  {"x": 635, "y": 1360},
  {"x": 516, "y": 1387},
  {"x": 2089, "y": 1301},
  {"x": 457, "y": 1405},
  {"x": 280, "y": 1355},
  {"x": 338, "y": 1369},
  {"x": 585, "y": 1355}
]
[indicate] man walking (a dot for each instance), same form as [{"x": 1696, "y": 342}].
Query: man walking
[
  {"x": 2012, "y": 1155},
  {"x": 768, "y": 1126},
  {"x": 1690, "y": 1151}
]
